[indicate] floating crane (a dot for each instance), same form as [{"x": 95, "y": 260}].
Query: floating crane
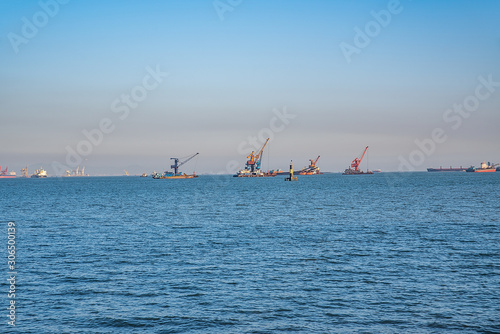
[
  {"x": 176, "y": 164},
  {"x": 25, "y": 171},
  {"x": 357, "y": 161},
  {"x": 355, "y": 164},
  {"x": 254, "y": 161},
  {"x": 311, "y": 169},
  {"x": 4, "y": 174},
  {"x": 252, "y": 166},
  {"x": 175, "y": 174},
  {"x": 313, "y": 163}
]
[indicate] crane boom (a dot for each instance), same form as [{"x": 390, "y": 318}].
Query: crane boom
[
  {"x": 253, "y": 161},
  {"x": 176, "y": 164},
  {"x": 259, "y": 155},
  {"x": 357, "y": 161},
  {"x": 313, "y": 162}
]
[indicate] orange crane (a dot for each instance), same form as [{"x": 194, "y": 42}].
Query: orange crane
[
  {"x": 311, "y": 169},
  {"x": 313, "y": 162},
  {"x": 357, "y": 161},
  {"x": 254, "y": 160}
]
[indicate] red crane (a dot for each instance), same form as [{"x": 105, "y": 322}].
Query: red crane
[{"x": 357, "y": 161}]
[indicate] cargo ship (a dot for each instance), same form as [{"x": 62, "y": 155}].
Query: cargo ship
[
  {"x": 175, "y": 174},
  {"x": 4, "y": 174},
  {"x": 354, "y": 168},
  {"x": 485, "y": 168},
  {"x": 252, "y": 166},
  {"x": 451, "y": 169},
  {"x": 39, "y": 173}
]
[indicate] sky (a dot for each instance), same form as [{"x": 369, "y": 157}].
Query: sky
[{"x": 126, "y": 85}]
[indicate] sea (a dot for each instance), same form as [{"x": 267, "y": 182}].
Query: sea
[{"x": 385, "y": 253}]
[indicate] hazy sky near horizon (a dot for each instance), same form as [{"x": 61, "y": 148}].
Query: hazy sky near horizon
[{"x": 232, "y": 66}]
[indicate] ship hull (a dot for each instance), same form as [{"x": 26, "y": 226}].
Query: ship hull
[
  {"x": 446, "y": 169},
  {"x": 356, "y": 172},
  {"x": 309, "y": 173},
  {"x": 176, "y": 177},
  {"x": 255, "y": 175},
  {"x": 7, "y": 176},
  {"x": 486, "y": 170}
]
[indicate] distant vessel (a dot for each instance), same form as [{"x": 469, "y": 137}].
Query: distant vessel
[
  {"x": 4, "y": 174},
  {"x": 252, "y": 166},
  {"x": 170, "y": 175},
  {"x": 354, "y": 169},
  {"x": 76, "y": 172},
  {"x": 377, "y": 171},
  {"x": 278, "y": 171},
  {"x": 485, "y": 168},
  {"x": 39, "y": 173},
  {"x": 451, "y": 169},
  {"x": 175, "y": 174},
  {"x": 144, "y": 175},
  {"x": 312, "y": 169},
  {"x": 25, "y": 172}
]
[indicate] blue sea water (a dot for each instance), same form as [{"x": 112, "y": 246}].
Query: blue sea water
[{"x": 383, "y": 253}]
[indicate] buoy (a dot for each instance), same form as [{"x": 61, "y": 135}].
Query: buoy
[{"x": 291, "y": 177}]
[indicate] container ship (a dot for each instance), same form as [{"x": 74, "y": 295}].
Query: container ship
[
  {"x": 4, "y": 174},
  {"x": 175, "y": 174},
  {"x": 354, "y": 169},
  {"x": 485, "y": 168},
  {"x": 252, "y": 166},
  {"x": 451, "y": 169}
]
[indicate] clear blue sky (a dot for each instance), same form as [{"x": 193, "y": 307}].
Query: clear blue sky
[{"x": 226, "y": 76}]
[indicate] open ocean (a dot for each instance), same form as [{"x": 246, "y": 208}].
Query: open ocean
[{"x": 385, "y": 253}]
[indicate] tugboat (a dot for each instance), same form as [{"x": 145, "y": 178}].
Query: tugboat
[
  {"x": 252, "y": 166},
  {"x": 485, "y": 168},
  {"x": 354, "y": 169},
  {"x": 39, "y": 173},
  {"x": 175, "y": 174}
]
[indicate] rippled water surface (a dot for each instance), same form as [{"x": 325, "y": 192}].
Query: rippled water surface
[{"x": 385, "y": 253}]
